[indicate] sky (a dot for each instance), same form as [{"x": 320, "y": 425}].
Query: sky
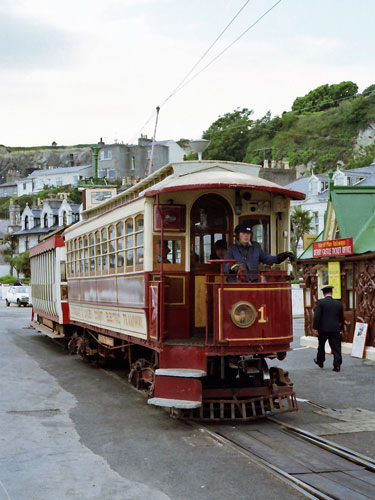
[{"x": 75, "y": 71}]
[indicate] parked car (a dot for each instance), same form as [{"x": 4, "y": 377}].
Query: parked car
[{"x": 18, "y": 295}]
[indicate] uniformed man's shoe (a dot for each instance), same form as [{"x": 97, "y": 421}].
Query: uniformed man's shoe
[
  {"x": 336, "y": 369},
  {"x": 317, "y": 363}
]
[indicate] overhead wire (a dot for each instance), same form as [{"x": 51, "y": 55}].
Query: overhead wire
[
  {"x": 194, "y": 66},
  {"x": 183, "y": 82}
]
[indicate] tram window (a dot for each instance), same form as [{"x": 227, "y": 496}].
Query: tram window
[
  {"x": 92, "y": 253},
  {"x": 261, "y": 230},
  {"x": 120, "y": 246},
  {"x": 80, "y": 254},
  {"x": 173, "y": 252},
  {"x": 139, "y": 256},
  {"x": 62, "y": 271},
  {"x": 120, "y": 229},
  {"x": 98, "y": 252},
  {"x": 112, "y": 261},
  {"x": 211, "y": 220},
  {"x": 204, "y": 246},
  {"x": 129, "y": 258},
  {"x": 104, "y": 241},
  {"x": 120, "y": 260},
  {"x": 112, "y": 248}
]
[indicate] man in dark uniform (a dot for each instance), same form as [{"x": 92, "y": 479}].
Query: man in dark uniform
[
  {"x": 329, "y": 322},
  {"x": 248, "y": 255}
]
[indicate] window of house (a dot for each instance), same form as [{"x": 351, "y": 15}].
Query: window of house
[
  {"x": 27, "y": 222},
  {"x": 106, "y": 154},
  {"x": 133, "y": 163},
  {"x": 45, "y": 220},
  {"x": 316, "y": 222},
  {"x": 26, "y": 243},
  {"x": 58, "y": 181}
]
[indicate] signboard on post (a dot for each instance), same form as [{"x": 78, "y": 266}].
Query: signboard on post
[
  {"x": 359, "y": 340},
  {"x": 334, "y": 278},
  {"x": 333, "y": 248}
]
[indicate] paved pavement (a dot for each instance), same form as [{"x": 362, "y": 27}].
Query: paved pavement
[{"x": 70, "y": 431}]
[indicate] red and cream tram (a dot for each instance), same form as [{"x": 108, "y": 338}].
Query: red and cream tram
[{"x": 142, "y": 287}]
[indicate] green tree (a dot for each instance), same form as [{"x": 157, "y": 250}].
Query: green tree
[
  {"x": 229, "y": 136},
  {"x": 22, "y": 264},
  {"x": 324, "y": 97},
  {"x": 301, "y": 223},
  {"x": 191, "y": 156},
  {"x": 9, "y": 250}
]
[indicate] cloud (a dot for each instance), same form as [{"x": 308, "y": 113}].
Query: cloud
[{"x": 26, "y": 43}]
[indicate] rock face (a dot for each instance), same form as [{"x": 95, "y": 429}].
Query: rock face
[
  {"x": 20, "y": 163},
  {"x": 365, "y": 137}
]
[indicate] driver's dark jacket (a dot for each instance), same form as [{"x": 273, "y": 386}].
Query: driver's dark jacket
[{"x": 250, "y": 262}]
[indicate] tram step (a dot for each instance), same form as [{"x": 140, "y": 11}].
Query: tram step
[
  {"x": 179, "y": 388},
  {"x": 183, "y": 356},
  {"x": 174, "y": 403},
  {"x": 180, "y": 372}
]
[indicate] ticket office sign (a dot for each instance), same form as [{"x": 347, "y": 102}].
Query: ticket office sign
[{"x": 333, "y": 248}]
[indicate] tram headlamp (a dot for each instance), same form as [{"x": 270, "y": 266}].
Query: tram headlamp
[{"x": 243, "y": 314}]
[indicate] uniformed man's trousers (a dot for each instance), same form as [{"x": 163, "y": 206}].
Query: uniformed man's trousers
[{"x": 334, "y": 340}]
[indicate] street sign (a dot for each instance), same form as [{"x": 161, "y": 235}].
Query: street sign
[{"x": 333, "y": 248}]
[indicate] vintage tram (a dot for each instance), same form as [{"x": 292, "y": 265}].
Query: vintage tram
[{"x": 138, "y": 276}]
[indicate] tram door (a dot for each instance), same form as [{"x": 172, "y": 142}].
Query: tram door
[{"x": 211, "y": 220}]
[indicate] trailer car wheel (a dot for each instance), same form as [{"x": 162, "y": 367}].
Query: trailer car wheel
[{"x": 7, "y": 302}]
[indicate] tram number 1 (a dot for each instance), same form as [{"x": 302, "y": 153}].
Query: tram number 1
[{"x": 263, "y": 314}]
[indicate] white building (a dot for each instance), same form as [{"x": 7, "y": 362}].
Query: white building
[
  {"x": 37, "y": 222},
  {"x": 36, "y": 181},
  {"x": 316, "y": 186}
]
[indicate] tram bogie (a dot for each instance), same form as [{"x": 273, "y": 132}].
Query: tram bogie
[{"x": 144, "y": 288}]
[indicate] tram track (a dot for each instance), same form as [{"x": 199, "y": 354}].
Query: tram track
[{"x": 310, "y": 464}]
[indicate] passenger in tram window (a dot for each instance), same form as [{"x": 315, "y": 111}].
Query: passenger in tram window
[
  {"x": 166, "y": 251},
  {"x": 248, "y": 255},
  {"x": 220, "y": 249}
]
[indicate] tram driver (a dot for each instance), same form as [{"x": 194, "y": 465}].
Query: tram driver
[{"x": 248, "y": 255}]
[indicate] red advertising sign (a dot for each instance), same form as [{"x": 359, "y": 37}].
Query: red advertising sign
[{"x": 333, "y": 248}]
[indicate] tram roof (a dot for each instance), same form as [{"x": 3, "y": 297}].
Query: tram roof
[{"x": 189, "y": 175}]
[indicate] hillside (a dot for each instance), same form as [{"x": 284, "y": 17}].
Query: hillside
[
  {"x": 20, "y": 162},
  {"x": 319, "y": 131}
]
